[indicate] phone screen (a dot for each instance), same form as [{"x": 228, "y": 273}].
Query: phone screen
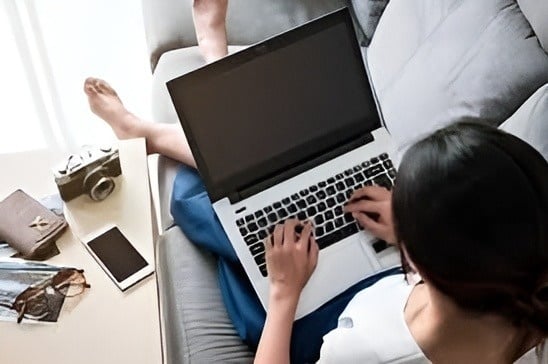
[{"x": 117, "y": 254}]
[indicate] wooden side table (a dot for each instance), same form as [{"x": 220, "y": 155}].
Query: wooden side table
[{"x": 104, "y": 325}]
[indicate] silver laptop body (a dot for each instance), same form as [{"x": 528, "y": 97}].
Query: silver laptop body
[{"x": 288, "y": 128}]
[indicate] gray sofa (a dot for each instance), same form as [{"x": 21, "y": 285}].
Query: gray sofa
[{"x": 431, "y": 62}]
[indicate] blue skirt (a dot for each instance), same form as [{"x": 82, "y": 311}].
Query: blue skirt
[{"x": 193, "y": 213}]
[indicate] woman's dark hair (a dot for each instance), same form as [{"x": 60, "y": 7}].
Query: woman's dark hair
[{"x": 471, "y": 209}]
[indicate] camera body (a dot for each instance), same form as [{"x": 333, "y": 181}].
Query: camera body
[{"x": 90, "y": 172}]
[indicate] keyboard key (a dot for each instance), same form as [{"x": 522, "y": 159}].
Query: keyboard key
[
  {"x": 330, "y": 202},
  {"x": 292, "y": 208},
  {"x": 329, "y": 239},
  {"x": 348, "y": 172},
  {"x": 322, "y": 184},
  {"x": 319, "y": 231},
  {"x": 295, "y": 197},
  {"x": 251, "y": 239},
  {"x": 318, "y": 219},
  {"x": 262, "y": 234},
  {"x": 260, "y": 259},
  {"x": 374, "y": 160},
  {"x": 368, "y": 183},
  {"x": 262, "y": 222},
  {"x": 331, "y": 180},
  {"x": 249, "y": 218},
  {"x": 338, "y": 211},
  {"x": 357, "y": 168},
  {"x": 243, "y": 231},
  {"x": 301, "y": 204},
  {"x": 359, "y": 177},
  {"x": 329, "y": 226},
  {"x": 313, "y": 188},
  {"x": 392, "y": 173},
  {"x": 272, "y": 217},
  {"x": 257, "y": 248},
  {"x": 321, "y": 206},
  {"x": 348, "y": 217},
  {"x": 329, "y": 216},
  {"x": 349, "y": 193},
  {"x": 321, "y": 195},
  {"x": 259, "y": 213},
  {"x": 262, "y": 268},
  {"x": 311, "y": 200},
  {"x": 383, "y": 181},
  {"x": 340, "y": 198},
  {"x": 267, "y": 209},
  {"x": 380, "y": 245},
  {"x": 387, "y": 164},
  {"x": 252, "y": 227},
  {"x": 277, "y": 205},
  {"x": 349, "y": 230},
  {"x": 240, "y": 222},
  {"x": 339, "y": 176},
  {"x": 330, "y": 190},
  {"x": 311, "y": 211},
  {"x": 282, "y": 213},
  {"x": 340, "y": 186},
  {"x": 383, "y": 156},
  {"x": 366, "y": 164},
  {"x": 302, "y": 216},
  {"x": 373, "y": 171},
  {"x": 303, "y": 193},
  {"x": 286, "y": 201},
  {"x": 349, "y": 182},
  {"x": 339, "y": 222}
]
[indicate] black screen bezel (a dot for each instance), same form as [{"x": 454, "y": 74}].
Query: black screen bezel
[{"x": 241, "y": 181}]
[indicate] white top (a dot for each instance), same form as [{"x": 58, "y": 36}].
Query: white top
[{"x": 372, "y": 329}]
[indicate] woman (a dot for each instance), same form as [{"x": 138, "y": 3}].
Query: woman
[{"x": 470, "y": 215}]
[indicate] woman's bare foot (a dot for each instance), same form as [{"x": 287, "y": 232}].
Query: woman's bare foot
[
  {"x": 166, "y": 139},
  {"x": 105, "y": 103}
]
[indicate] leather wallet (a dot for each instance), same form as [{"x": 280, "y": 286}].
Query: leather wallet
[{"x": 29, "y": 227}]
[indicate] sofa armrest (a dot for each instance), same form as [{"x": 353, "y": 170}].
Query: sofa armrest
[{"x": 196, "y": 327}]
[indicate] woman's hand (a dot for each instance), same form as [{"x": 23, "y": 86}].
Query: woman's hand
[
  {"x": 371, "y": 206},
  {"x": 290, "y": 259}
]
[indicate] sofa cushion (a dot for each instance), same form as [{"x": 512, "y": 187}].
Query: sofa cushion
[
  {"x": 530, "y": 122},
  {"x": 451, "y": 60},
  {"x": 536, "y": 12},
  {"x": 196, "y": 326}
]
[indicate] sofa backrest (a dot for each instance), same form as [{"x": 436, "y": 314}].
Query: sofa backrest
[
  {"x": 168, "y": 23},
  {"x": 536, "y": 11}
]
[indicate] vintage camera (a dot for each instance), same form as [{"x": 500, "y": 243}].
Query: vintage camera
[{"x": 91, "y": 172}]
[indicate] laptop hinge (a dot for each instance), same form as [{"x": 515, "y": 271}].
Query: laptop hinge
[{"x": 292, "y": 171}]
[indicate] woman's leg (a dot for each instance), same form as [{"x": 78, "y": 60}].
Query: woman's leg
[
  {"x": 210, "y": 24},
  {"x": 166, "y": 139}
]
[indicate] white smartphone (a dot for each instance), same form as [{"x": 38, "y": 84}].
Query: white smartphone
[{"x": 118, "y": 257}]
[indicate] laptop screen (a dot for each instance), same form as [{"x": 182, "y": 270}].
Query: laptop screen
[{"x": 277, "y": 104}]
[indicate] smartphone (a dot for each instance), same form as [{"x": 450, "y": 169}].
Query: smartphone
[{"x": 118, "y": 257}]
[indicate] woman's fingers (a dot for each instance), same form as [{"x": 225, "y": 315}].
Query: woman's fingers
[
  {"x": 290, "y": 236},
  {"x": 365, "y": 206},
  {"x": 371, "y": 192},
  {"x": 278, "y": 235},
  {"x": 313, "y": 253},
  {"x": 368, "y": 223}
]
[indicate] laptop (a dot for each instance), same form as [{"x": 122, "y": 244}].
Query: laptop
[{"x": 289, "y": 128}]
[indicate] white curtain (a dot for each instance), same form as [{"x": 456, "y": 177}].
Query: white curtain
[{"x": 49, "y": 47}]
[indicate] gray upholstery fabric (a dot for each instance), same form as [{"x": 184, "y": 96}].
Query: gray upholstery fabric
[
  {"x": 193, "y": 314},
  {"x": 368, "y": 13},
  {"x": 463, "y": 60},
  {"x": 168, "y": 24},
  {"x": 536, "y": 12},
  {"x": 530, "y": 122}
]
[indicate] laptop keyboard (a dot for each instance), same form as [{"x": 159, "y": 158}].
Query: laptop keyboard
[{"x": 321, "y": 203}]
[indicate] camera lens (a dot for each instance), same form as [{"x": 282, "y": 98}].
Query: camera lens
[
  {"x": 102, "y": 189},
  {"x": 98, "y": 185}
]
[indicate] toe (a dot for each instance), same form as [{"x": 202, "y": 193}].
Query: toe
[{"x": 106, "y": 88}]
